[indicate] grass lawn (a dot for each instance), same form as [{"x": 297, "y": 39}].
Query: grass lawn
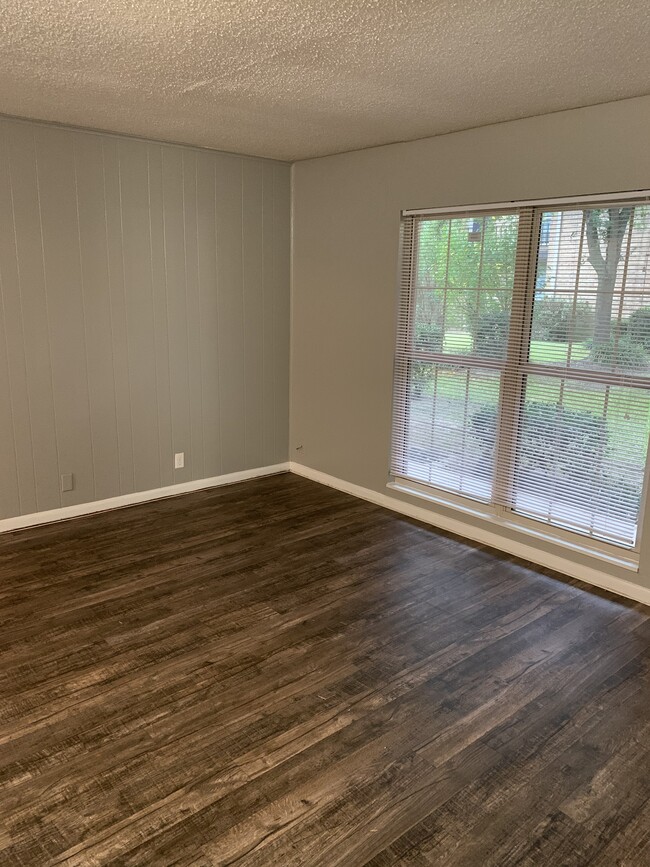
[
  {"x": 541, "y": 351},
  {"x": 545, "y": 352},
  {"x": 628, "y": 422}
]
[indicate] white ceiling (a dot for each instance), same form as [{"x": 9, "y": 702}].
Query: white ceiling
[{"x": 300, "y": 78}]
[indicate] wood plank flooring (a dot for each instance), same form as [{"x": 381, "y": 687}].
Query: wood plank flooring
[{"x": 275, "y": 673}]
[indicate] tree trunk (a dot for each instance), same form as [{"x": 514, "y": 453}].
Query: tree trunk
[
  {"x": 605, "y": 263},
  {"x": 604, "y": 303}
]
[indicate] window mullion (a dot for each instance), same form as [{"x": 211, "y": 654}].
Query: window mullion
[{"x": 512, "y": 385}]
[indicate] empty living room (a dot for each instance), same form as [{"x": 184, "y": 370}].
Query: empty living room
[{"x": 324, "y": 433}]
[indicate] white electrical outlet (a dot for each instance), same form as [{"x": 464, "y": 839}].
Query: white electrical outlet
[{"x": 179, "y": 460}]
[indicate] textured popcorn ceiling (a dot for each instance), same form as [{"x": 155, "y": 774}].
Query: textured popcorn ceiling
[{"x": 299, "y": 78}]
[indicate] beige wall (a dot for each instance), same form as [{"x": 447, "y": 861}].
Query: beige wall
[
  {"x": 345, "y": 236},
  {"x": 145, "y": 311}
]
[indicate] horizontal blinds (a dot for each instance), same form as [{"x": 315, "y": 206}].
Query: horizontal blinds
[
  {"x": 580, "y": 456},
  {"x": 456, "y": 295},
  {"x": 522, "y": 373},
  {"x": 579, "y": 413}
]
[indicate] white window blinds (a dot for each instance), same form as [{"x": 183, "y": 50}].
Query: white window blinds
[{"x": 522, "y": 375}]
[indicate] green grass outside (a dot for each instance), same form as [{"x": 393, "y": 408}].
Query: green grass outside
[
  {"x": 620, "y": 415},
  {"x": 541, "y": 351}
]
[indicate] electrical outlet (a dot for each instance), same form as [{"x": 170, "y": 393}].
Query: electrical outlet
[
  {"x": 179, "y": 460},
  {"x": 67, "y": 482}
]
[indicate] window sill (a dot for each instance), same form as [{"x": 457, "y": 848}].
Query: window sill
[{"x": 628, "y": 560}]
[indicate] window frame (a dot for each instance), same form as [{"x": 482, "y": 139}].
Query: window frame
[{"x": 515, "y": 364}]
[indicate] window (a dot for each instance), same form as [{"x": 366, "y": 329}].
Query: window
[{"x": 522, "y": 374}]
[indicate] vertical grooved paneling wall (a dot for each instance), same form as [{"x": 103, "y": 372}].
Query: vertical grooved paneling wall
[{"x": 144, "y": 292}]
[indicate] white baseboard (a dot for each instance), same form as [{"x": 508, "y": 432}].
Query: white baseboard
[
  {"x": 589, "y": 575},
  {"x": 66, "y": 512}
]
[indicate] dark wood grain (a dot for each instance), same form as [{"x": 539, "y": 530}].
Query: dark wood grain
[{"x": 277, "y": 673}]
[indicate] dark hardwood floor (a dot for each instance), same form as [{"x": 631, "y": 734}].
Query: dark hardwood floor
[{"x": 275, "y": 673}]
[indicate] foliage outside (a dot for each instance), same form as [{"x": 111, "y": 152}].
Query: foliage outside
[{"x": 454, "y": 259}]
